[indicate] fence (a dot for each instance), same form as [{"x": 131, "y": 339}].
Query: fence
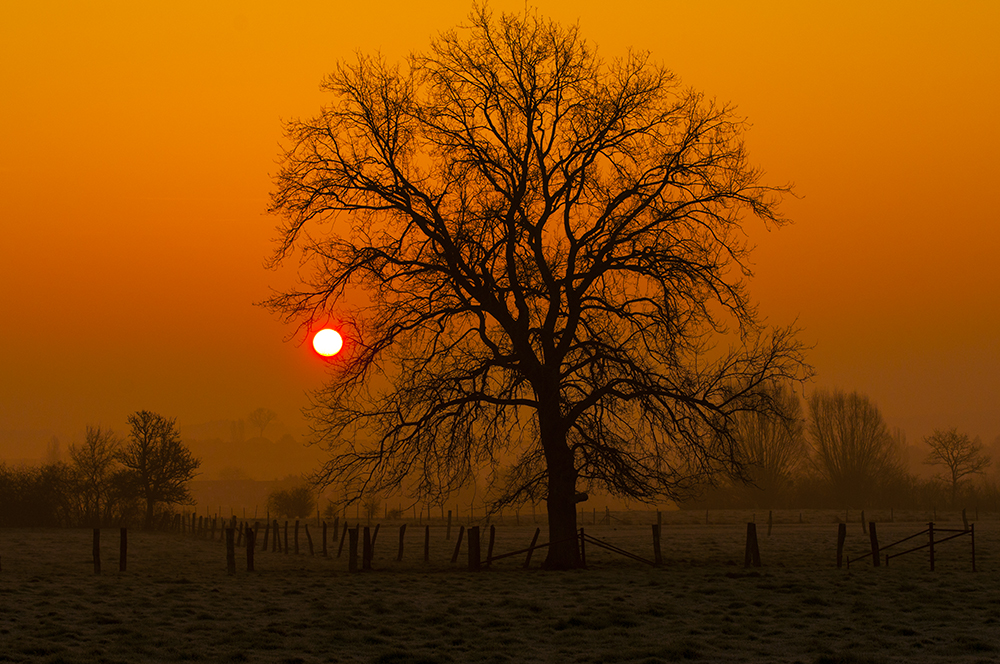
[{"x": 875, "y": 552}]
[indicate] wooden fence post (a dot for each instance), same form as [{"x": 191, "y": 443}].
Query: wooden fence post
[
  {"x": 473, "y": 548},
  {"x": 657, "y": 556},
  {"x": 965, "y": 521},
  {"x": 458, "y": 544},
  {"x": 489, "y": 549},
  {"x": 251, "y": 542},
  {"x": 366, "y": 550},
  {"x": 841, "y": 536},
  {"x": 531, "y": 548},
  {"x": 341, "y": 547},
  {"x": 374, "y": 537},
  {"x": 583, "y": 549},
  {"x": 864, "y": 524},
  {"x": 402, "y": 534},
  {"x": 752, "y": 554},
  {"x": 276, "y": 544},
  {"x": 427, "y": 540},
  {"x": 231, "y": 550},
  {"x": 309, "y": 539},
  {"x": 352, "y": 549},
  {"x": 930, "y": 537},
  {"x": 97, "y": 550},
  {"x": 972, "y": 535},
  {"x": 447, "y": 534},
  {"x": 122, "y": 549},
  {"x": 874, "y": 540},
  {"x": 286, "y": 536}
]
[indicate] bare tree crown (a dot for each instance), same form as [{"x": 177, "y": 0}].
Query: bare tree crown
[{"x": 538, "y": 257}]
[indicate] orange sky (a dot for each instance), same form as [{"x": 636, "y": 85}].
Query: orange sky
[{"x": 137, "y": 143}]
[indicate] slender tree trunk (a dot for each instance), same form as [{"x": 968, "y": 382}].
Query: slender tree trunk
[{"x": 564, "y": 551}]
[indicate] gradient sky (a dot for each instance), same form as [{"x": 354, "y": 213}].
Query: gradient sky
[{"x": 137, "y": 141}]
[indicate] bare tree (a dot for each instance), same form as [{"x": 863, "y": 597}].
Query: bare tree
[
  {"x": 94, "y": 464},
  {"x": 538, "y": 259},
  {"x": 260, "y": 418},
  {"x": 959, "y": 455},
  {"x": 852, "y": 447},
  {"x": 159, "y": 465},
  {"x": 774, "y": 444}
]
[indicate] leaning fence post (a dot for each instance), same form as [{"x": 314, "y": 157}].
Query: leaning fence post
[
  {"x": 97, "y": 550},
  {"x": 231, "y": 550},
  {"x": 930, "y": 538},
  {"x": 873, "y": 536},
  {"x": 489, "y": 550},
  {"x": 352, "y": 549},
  {"x": 122, "y": 549},
  {"x": 309, "y": 539},
  {"x": 342, "y": 536},
  {"x": 531, "y": 549},
  {"x": 458, "y": 544},
  {"x": 841, "y": 536},
  {"x": 657, "y": 556}
]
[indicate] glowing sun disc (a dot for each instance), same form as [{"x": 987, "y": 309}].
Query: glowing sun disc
[{"x": 328, "y": 342}]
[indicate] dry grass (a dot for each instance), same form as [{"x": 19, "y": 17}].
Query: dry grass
[{"x": 176, "y": 601}]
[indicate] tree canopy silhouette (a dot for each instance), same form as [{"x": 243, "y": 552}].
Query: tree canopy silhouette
[
  {"x": 158, "y": 465},
  {"x": 538, "y": 261}
]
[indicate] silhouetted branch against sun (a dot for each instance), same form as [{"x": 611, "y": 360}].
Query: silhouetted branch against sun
[{"x": 540, "y": 261}]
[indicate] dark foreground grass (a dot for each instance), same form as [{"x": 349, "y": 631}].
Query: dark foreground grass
[{"x": 176, "y": 603}]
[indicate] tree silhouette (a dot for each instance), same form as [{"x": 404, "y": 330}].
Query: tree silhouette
[
  {"x": 260, "y": 418},
  {"x": 293, "y": 503},
  {"x": 774, "y": 445},
  {"x": 94, "y": 463},
  {"x": 960, "y": 455},
  {"x": 159, "y": 465},
  {"x": 537, "y": 256},
  {"x": 853, "y": 448}
]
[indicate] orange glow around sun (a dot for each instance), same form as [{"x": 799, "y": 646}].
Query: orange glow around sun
[{"x": 328, "y": 342}]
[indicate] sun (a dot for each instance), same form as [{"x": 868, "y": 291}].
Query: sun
[{"x": 328, "y": 342}]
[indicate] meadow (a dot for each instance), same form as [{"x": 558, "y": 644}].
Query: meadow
[{"x": 176, "y": 601}]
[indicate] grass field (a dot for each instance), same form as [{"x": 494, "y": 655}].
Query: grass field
[{"x": 177, "y": 603}]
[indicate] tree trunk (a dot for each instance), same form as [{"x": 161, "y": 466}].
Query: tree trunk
[{"x": 564, "y": 551}]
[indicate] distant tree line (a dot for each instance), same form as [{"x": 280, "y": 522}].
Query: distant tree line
[
  {"x": 841, "y": 453},
  {"x": 108, "y": 481}
]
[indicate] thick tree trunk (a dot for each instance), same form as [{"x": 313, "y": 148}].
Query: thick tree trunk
[{"x": 564, "y": 550}]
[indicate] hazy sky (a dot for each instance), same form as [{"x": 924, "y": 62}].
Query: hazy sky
[{"x": 137, "y": 142}]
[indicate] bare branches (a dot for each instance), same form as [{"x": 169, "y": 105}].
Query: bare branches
[{"x": 538, "y": 255}]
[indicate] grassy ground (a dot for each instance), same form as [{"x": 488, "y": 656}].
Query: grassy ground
[{"x": 176, "y": 601}]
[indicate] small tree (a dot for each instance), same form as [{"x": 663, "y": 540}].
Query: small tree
[
  {"x": 94, "y": 463},
  {"x": 294, "y": 503},
  {"x": 158, "y": 465},
  {"x": 959, "y": 455},
  {"x": 260, "y": 418}
]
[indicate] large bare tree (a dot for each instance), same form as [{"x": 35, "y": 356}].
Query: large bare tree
[
  {"x": 853, "y": 448},
  {"x": 538, "y": 261}
]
